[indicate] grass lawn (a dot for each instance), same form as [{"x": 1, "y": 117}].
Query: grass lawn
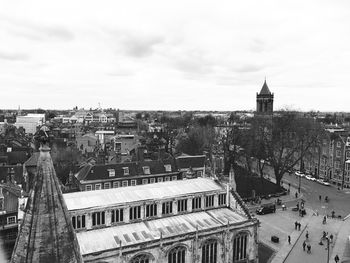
[
  {"x": 246, "y": 184},
  {"x": 264, "y": 253}
]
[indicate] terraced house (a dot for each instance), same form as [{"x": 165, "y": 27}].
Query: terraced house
[{"x": 195, "y": 220}]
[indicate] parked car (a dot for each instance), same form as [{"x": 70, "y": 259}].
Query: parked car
[
  {"x": 323, "y": 182},
  {"x": 309, "y": 177},
  {"x": 266, "y": 209},
  {"x": 298, "y": 173}
]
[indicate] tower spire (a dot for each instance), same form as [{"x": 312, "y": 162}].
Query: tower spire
[{"x": 46, "y": 233}]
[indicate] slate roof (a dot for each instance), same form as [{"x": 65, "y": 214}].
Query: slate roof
[
  {"x": 17, "y": 157},
  {"x": 158, "y": 191},
  {"x": 98, "y": 240},
  {"x": 265, "y": 89},
  {"x": 46, "y": 233},
  {"x": 100, "y": 171},
  {"x": 187, "y": 161},
  {"x": 33, "y": 160}
]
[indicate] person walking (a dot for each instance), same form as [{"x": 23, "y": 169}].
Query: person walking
[
  {"x": 296, "y": 225},
  {"x": 299, "y": 226},
  {"x": 289, "y": 240},
  {"x": 336, "y": 258},
  {"x": 308, "y": 248},
  {"x": 304, "y": 245},
  {"x": 307, "y": 235},
  {"x": 320, "y": 198}
]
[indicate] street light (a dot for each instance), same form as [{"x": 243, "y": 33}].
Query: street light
[{"x": 327, "y": 249}]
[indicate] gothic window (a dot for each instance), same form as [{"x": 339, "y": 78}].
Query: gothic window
[
  {"x": 141, "y": 259},
  {"x": 177, "y": 255},
  {"x": 210, "y": 251},
  {"x": 240, "y": 247}
]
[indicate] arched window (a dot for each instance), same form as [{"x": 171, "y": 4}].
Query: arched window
[
  {"x": 143, "y": 258},
  {"x": 240, "y": 247},
  {"x": 210, "y": 251},
  {"x": 177, "y": 255}
]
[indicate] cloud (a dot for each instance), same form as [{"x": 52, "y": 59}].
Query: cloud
[
  {"x": 248, "y": 68},
  {"x": 34, "y": 31},
  {"x": 14, "y": 56},
  {"x": 257, "y": 45},
  {"x": 140, "y": 45}
]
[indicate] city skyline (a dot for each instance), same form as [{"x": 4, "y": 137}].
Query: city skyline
[{"x": 179, "y": 55}]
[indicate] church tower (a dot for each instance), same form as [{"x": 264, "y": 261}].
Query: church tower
[{"x": 264, "y": 101}]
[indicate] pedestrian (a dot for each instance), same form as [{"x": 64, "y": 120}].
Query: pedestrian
[
  {"x": 324, "y": 220},
  {"x": 331, "y": 238},
  {"x": 308, "y": 248},
  {"x": 289, "y": 240},
  {"x": 296, "y": 194},
  {"x": 296, "y": 225},
  {"x": 307, "y": 235},
  {"x": 336, "y": 258},
  {"x": 304, "y": 245},
  {"x": 299, "y": 226},
  {"x": 320, "y": 197}
]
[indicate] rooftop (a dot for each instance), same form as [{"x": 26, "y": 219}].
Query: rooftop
[
  {"x": 130, "y": 234},
  {"x": 115, "y": 196}
]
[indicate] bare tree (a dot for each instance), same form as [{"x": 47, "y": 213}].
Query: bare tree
[{"x": 288, "y": 138}]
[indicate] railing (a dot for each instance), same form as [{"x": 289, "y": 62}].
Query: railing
[{"x": 241, "y": 203}]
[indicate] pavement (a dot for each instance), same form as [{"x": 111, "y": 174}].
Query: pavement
[{"x": 281, "y": 224}]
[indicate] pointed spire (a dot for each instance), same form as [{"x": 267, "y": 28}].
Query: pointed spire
[
  {"x": 232, "y": 179},
  {"x": 265, "y": 89},
  {"x": 46, "y": 233}
]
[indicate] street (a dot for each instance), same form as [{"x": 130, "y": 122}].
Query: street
[
  {"x": 282, "y": 222},
  {"x": 311, "y": 190}
]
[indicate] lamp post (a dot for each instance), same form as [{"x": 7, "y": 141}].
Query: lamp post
[{"x": 327, "y": 238}]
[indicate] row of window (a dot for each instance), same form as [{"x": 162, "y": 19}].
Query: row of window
[
  {"x": 151, "y": 210},
  {"x": 146, "y": 170},
  {"x": 125, "y": 183},
  {"x": 209, "y": 252}
]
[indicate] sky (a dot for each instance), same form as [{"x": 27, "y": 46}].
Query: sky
[{"x": 174, "y": 55}]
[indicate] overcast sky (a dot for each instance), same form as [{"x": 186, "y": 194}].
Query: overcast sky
[{"x": 171, "y": 55}]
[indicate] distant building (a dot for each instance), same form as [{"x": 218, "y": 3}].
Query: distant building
[
  {"x": 330, "y": 160},
  {"x": 196, "y": 220},
  {"x": 30, "y": 122},
  {"x": 9, "y": 196},
  {"x": 264, "y": 101},
  {"x": 95, "y": 177},
  {"x": 123, "y": 145},
  {"x": 86, "y": 143},
  {"x": 191, "y": 166}
]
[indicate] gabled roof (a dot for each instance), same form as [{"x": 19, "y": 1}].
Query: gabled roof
[
  {"x": 188, "y": 161},
  {"x": 46, "y": 233},
  {"x": 101, "y": 171},
  {"x": 265, "y": 89}
]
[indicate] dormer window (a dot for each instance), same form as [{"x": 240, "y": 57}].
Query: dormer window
[
  {"x": 111, "y": 172},
  {"x": 146, "y": 170},
  {"x": 167, "y": 167},
  {"x": 126, "y": 170}
]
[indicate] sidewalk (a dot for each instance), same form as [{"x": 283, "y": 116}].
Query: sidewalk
[
  {"x": 282, "y": 225},
  {"x": 318, "y": 252}
]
